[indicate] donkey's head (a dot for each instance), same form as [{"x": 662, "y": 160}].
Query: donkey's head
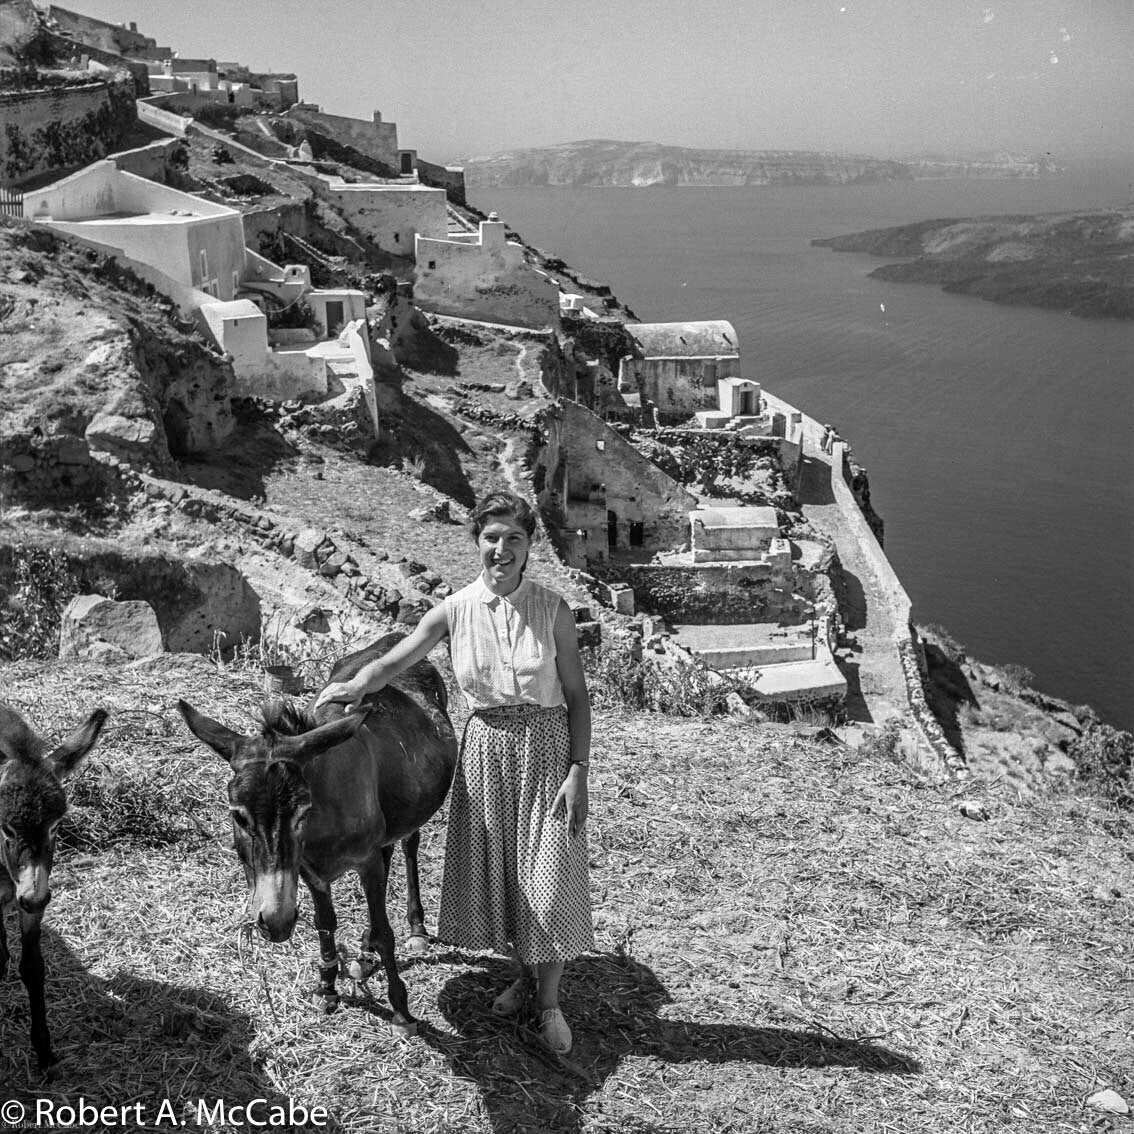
[
  {"x": 269, "y": 800},
  {"x": 32, "y": 801}
]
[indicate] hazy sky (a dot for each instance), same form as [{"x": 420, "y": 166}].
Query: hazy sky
[{"x": 881, "y": 77}]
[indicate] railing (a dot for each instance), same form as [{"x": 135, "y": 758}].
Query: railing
[{"x": 11, "y": 203}]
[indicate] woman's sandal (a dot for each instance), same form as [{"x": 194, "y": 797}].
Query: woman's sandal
[
  {"x": 513, "y": 998},
  {"x": 554, "y": 1032}
]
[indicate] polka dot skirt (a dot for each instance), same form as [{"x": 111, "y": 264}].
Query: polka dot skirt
[{"x": 512, "y": 873}]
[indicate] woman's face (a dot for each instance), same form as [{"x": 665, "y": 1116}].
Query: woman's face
[{"x": 503, "y": 547}]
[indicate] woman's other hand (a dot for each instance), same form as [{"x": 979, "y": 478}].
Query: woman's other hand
[{"x": 572, "y": 799}]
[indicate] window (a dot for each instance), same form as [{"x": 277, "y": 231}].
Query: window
[
  {"x": 637, "y": 531},
  {"x": 235, "y": 283},
  {"x": 204, "y": 264},
  {"x": 433, "y": 263},
  {"x": 397, "y": 238}
]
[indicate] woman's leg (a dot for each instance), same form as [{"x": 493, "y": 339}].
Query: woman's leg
[{"x": 548, "y": 976}]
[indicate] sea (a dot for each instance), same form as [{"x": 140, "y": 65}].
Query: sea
[{"x": 999, "y": 440}]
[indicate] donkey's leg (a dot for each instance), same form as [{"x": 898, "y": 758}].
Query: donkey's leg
[
  {"x": 326, "y": 997},
  {"x": 380, "y": 938},
  {"x": 32, "y": 974},
  {"x": 418, "y": 941},
  {"x": 7, "y": 893}
]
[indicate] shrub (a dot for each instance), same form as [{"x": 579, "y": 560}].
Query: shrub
[
  {"x": 617, "y": 679},
  {"x": 30, "y": 618},
  {"x": 1104, "y": 758}
]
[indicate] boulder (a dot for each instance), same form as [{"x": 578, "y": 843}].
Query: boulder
[
  {"x": 435, "y": 513},
  {"x": 306, "y": 544},
  {"x": 518, "y": 390},
  {"x": 313, "y": 620},
  {"x": 100, "y": 629},
  {"x": 126, "y": 437}
]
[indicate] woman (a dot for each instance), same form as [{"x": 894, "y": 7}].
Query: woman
[{"x": 515, "y": 852}]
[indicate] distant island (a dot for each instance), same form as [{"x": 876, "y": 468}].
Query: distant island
[
  {"x": 636, "y": 165},
  {"x": 1082, "y": 262}
]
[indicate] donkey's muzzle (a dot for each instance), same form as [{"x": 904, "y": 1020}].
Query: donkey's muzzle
[{"x": 276, "y": 928}]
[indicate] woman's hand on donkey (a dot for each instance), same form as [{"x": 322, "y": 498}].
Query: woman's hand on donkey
[{"x": 349, "y": 694}]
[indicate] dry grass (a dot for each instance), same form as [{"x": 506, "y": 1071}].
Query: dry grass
[{"x": 791, "y": 937}]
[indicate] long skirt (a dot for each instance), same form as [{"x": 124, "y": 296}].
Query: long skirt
[{"x": 513, "y": 876}]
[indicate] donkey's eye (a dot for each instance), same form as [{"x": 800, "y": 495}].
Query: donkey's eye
[
  {"x": 54, "y": 828},
  {"x": 300, "y": 819},
  {"x": 9, "y": 832},
  {"x": 240, "y": 817}
]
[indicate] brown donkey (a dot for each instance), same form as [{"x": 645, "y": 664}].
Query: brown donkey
[
  {"x": 32, "y": 805},
  {"x": 313, "y": 799}
]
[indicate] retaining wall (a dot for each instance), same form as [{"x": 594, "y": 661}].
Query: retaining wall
[
  {"x": 55, "y": 470},
  {"x": 62, "y": 127}
]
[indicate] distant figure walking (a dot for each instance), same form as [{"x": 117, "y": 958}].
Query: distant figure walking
[{"x": 825, "y": 443}]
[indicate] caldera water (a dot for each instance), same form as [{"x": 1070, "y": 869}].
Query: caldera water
[{"x": 999, "y": 440}]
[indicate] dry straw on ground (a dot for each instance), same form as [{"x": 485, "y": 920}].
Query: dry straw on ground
[{"x": 792, "y": 936}]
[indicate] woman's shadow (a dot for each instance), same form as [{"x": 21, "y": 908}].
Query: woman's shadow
[
  {"x": 126, "y": 1039},
  {"x": 612, "y": 1003}
]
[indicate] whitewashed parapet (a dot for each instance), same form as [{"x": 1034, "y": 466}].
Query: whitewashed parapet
[
  {"x": 157, "y": 116},
  {"x": 931, "y": 731},
  {"x": 899, "y": 602}
]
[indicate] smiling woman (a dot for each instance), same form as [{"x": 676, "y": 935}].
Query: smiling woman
[{"x": 515, "y": 853}]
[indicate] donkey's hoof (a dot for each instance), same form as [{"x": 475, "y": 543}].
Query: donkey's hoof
[
  {"x": 361, "y": 969},
  {"x": 405, "y": 1030},
  {"x": 417, "y": 944},
  {"x": 325, "y": 1002}
]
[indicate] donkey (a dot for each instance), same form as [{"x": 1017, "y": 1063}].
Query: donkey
[
  {"x": 32, "y": 805},
  {"x": 313, "y": 799}
]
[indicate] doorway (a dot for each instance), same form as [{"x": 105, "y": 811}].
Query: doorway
[{"x": 334, "y": 313}]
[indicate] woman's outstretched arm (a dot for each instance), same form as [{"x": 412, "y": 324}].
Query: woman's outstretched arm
[{"x": 433, "y": 628}]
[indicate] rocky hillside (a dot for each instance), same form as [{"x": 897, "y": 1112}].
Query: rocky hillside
[
  {"x": 89, "y": 349},
  {"x": 644, "y": 164},
  {"x": 1082, "y": 263}
]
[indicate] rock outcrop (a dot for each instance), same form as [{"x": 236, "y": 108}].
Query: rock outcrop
[
  {"x": 1075, "y": 262},
  {"x": 95, "y": 628},
  {"x": 93, "y": 352}
]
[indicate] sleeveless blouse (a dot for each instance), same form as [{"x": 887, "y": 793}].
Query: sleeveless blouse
[{"x": 503, "y": 646}]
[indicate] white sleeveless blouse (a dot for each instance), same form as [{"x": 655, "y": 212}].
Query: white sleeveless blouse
[{"x": 503, "y": 646}]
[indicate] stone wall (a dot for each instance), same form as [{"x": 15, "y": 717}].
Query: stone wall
[
  {"x": 55, "y": 470},
  {"x": 404, "y": 591},
  {"x": 389, "y": 215},
  {"x": 449, "y": 178},
  {"x": 65, "y": 48},
  {"x": 376, "y": 139},
  {"x": 62, "y": 127},
  {"x": 153, "y": 162},
  {"x": 488, "y": 280},
  {"x": 761, "y": 592},
  {"x": 584, "y": 470},
  {"x": 200, "y": 603}
]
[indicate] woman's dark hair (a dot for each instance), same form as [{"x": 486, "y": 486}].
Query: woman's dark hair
[{"x": 503, "y": 504}]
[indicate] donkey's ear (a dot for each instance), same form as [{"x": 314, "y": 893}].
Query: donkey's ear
[
  {"x": 67, "y": 757},
  {"x": 308, "y": 745},
  {"x": 221, "y": 739}
]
